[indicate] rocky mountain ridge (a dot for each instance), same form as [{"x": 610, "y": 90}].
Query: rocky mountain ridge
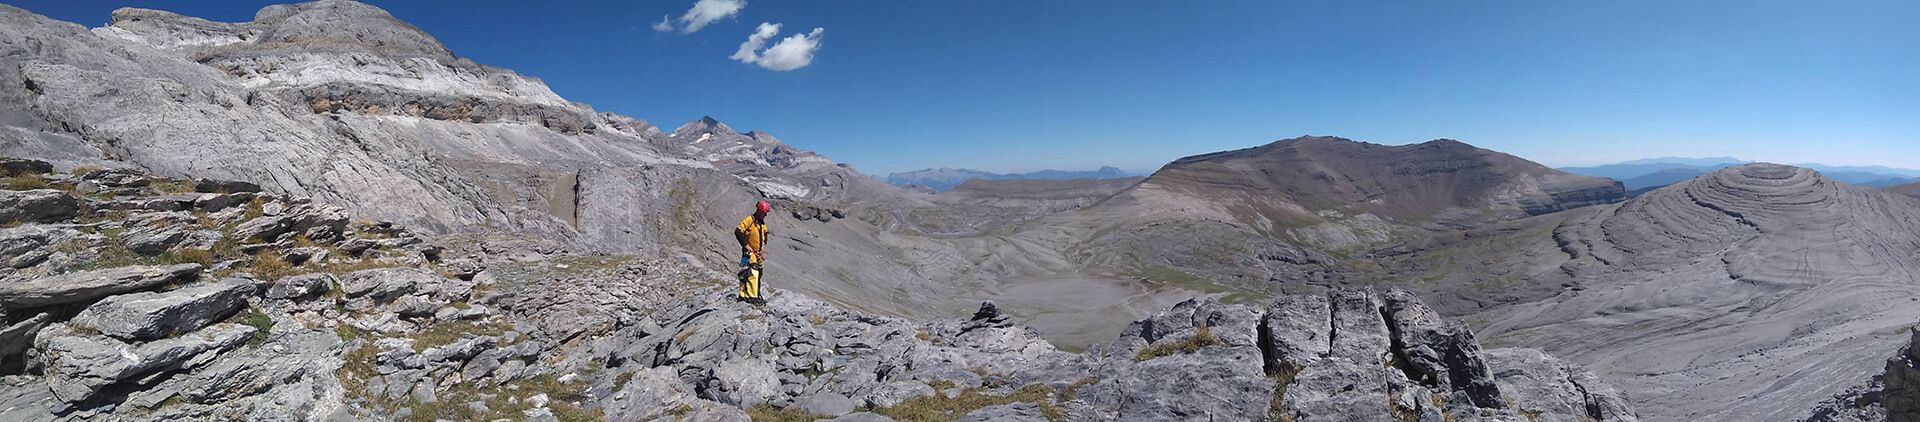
[
  {"x": 944, "y": 179},
  {"x": 1761, "y": 276},
  {"x": 136, "y": 297}
]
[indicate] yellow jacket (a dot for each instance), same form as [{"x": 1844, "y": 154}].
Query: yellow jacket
[{"x": 752, "y": 234}]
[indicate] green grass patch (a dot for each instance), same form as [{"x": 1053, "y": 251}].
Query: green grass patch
[
  {"x": 171, "y": 186},
  {"x": 1066, "y": 394},
  {"x": 1276, "y": 409},
  {"x": 112, "y": 252},
  {"x": 24, "y": 182},
  {"x": 346, "y": 332},
  {"x": 255, "y": 208},
  {"x": 940, "y": 408},
  {"x": 1202, "y": 337},
  {"x": 620, "y": 381},
  {"x": 452, "y": 331},
  {"x": 262, "y": 324},
  {"x": 768, "y": 413}
]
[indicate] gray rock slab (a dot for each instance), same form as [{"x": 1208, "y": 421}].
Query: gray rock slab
[
  {"x": 151, "y": 315},
  {"x": 91, "y": 285}
]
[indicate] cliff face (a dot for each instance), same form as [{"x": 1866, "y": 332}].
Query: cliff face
[{"x": 339, "y": 101}]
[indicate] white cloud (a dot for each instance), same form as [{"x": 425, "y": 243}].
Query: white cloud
[
  {"x": 791, "y": 53},
  {"x": 705, "y": 12},
  {"x": 666, "y": 24},
  {"x": 749, "y": 51}
]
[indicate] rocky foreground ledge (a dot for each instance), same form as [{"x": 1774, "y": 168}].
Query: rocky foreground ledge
[{"x": 131, "y": 297}]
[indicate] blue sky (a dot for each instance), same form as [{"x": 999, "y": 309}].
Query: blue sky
[{"x": 1015, "y": 86}]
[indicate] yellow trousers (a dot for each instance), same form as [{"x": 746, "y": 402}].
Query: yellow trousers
[{"x": 750, "y": 283}]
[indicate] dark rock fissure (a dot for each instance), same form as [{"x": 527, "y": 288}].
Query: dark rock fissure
[
  {"x": 1398, "y": 350},
  {"x": 1333, "y": 327},
  {"x": 576, "y": 200},
  {"x": 1592, "y": 406},
  {"x": 1264, "y": 341}
]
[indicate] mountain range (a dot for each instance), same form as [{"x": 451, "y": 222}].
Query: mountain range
[
  {"x": 324, "y": 213},
  {"x": 944, "y": 179},
  {"x": 1648, "y": 173}
]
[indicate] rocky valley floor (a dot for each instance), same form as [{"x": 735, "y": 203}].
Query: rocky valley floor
[{"x": 130, "y": 297}]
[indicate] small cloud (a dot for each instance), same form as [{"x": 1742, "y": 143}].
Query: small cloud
[
  {"x": 666, "y": 24},
  {"x": 705, "y": 12},
  {"x": 791, "y": 53},
  {"x": 749, "y": 51}
]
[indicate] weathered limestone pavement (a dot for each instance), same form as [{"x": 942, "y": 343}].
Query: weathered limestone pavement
[{"x": 275, "y": 308}]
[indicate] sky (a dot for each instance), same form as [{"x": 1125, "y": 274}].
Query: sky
[{"x": 891, "y": 85}]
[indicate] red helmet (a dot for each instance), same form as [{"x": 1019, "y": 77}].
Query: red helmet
[{"x": 762, "y": 208}]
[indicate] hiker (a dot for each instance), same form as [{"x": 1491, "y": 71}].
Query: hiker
[{"x": 752, "y": 234}]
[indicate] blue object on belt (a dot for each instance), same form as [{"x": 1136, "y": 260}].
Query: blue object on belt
[{"x": 745, "y": 260}]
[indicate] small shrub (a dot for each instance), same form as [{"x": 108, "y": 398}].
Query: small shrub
[
  {"x": 1067, "y": 394},
  {"x": 768, "y": 413},
  {"x": 620, "y": 381},
  {"x": 939, "y": 407},
  {"x": 270, "y": 266},
  {"x": 346, "y": 332},
  {"x": 449, "y": 332},
  {"x": 171, "y": 186},
  {"x": 180, "y": 256},
  {"x": 24, "y": 182},
  {"x": 1202, "y": 337},
  {"x": 1276, "y": 409},
  {"x": 256, "y": 208},
  {"x": 262, "y": 322}
]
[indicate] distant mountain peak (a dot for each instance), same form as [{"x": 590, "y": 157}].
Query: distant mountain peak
[
  {"x": 703, "y": 125},
  {"x": 946, "y": 178},
  {"x": 1702, "y": 161}
]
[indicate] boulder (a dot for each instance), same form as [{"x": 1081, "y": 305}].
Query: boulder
[
  {"x": 152, "y": 315},
  {"x": 78, "y": 366},
  {"x": 152, "y": 240},
  {"x": 745, "y": 382},
  {"x": 17, "y": 166},
  {"x": 26, "y": 246},
  {"x": 1902, "y": 380},
  {"x": 826, "y": 404},
  {"x": 893, "y": 393},
  {"x": 263, "y": 229},
  {"x": 165, "y": 203},
  {"x": 459, "y": 351},
  {"x": 15, "y": 338},
  {"x": 300, "y": 287},
  {"x": 651, "y": 394},
  {"x": 385, "y": 284},
  {"x": 1296, "y": 332},
  {"x": 1011, "y": 412},
  {"x": 1338, "y": 389},
  {"x": 87, "y": 286},
  {"x": 1439, "y": 353},
  {"x": 1231, "y": 325},
  {"x": 1214, "y": 383},
  {"x": 37, "y": 206},
  {"x": 216, "y": 202},
  {"x": 1359, "y": 332},
  {"x": 117, "y": 178},
  {"x": 1538, "y": 383}
]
